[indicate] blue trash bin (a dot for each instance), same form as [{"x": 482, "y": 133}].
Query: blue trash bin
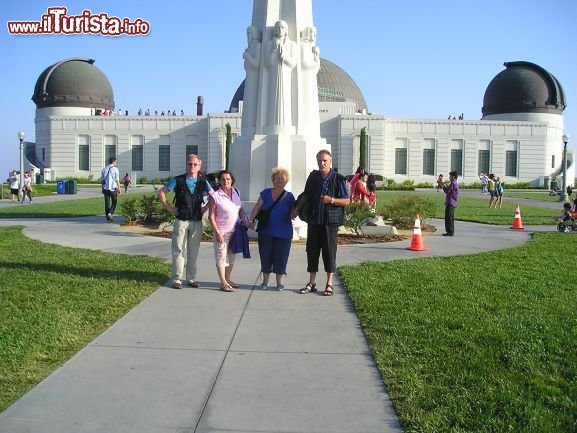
[{"x": 61, "y": 187}]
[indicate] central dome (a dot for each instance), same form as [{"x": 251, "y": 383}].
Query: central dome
[
  {"x": 73, "y": 82},
  {"x": 334, "y": 85}
]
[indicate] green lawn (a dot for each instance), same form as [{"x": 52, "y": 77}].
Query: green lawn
[
  {"x": 544, "y": 196},
  {"x": 477, "y": 209},
  {"x": 479, "y": 343},
  {"x": 54, "y": 300},
  {"x": 64, "y": 208}
]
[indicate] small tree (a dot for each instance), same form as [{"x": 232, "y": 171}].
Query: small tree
[
  {"x": 356, "y": 214},
  {"x": 228, "y": 142},
  {"x": 363, "y": 148}
]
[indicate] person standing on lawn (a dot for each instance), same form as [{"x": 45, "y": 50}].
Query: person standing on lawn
[
  {"x": 451, "y": 196},
  {"x": 189, "y": 192}
]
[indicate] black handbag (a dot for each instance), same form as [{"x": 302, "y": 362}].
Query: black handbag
[
  {"x": 305, "y": 206},
  {"x": 264, "y": 214}
]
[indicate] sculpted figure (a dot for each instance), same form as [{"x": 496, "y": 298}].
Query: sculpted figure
[
  {"x": 310, "y": 64},
  {"x": 280, "y": 61},
  {"x": 251, "y": 58}
]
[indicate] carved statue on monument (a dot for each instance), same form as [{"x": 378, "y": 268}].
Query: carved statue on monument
[
  {"x": 310, "y": 65},
  {"x": 251, "y": 65},
  {"x": 280, "y": 61}
]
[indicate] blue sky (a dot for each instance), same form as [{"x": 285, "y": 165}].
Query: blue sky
[{"x": 411, "y": 59}]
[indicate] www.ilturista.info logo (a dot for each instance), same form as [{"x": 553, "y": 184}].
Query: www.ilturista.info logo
[{"x": 56, "y": 21}]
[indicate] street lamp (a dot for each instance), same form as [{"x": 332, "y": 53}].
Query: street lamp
[
  {"x": 21, "y": 177},
  {"x": 563, "y": 195}
]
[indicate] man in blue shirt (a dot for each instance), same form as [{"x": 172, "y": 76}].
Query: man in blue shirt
[
  {"x": 189, "y": 190},
  {"x": 110, "y": 187}
]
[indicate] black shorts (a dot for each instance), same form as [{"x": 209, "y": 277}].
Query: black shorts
[{"x": 14, "y": 191}]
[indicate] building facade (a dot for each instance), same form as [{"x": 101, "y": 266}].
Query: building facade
[{"x": 519, "y": 136}]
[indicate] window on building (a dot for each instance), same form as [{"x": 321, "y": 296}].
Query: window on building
[
  {"x": 511, "y": 163},
  {"x": 400, "y": 161},
  {"x": 552, "y": 161},
  {"x": 137, "y": 142},
  {"x": 429, "y": 161},
  {"x": 109, "y": 148},
  {"x": 83, "y": 152},
  {"x": 484, "y": 161},
  {"x": 191, "y": 149},
  {"x": 164, "y": 157},
  {"x": 457, "y": 161},
  {"x": 43, "y": 154}
]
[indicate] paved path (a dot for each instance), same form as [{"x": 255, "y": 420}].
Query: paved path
[{"x": 200, "y": 360}]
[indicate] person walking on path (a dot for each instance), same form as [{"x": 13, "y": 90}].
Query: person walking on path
[
  {"x": 110, "y": 187},
  {"x": 274, "y": 240},
  {"x": 451, "y": 196},
  {"x": 226, "y": 210},
  {"x": 14, "y": 180},
  {"x": 189, "y": 192},
  {"x": 27, "y": 187},
  {"x": 126, "y": 180},
  {"x": 440, "y": 182},
  {"x": 327, "y": 191}
]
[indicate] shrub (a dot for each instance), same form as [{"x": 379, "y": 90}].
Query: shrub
[
  {"x": 403, "y": 211},
  {"x": 130, "y": 209},
  {"x": 142, "y": 180},
  {"x": 150, "y": 207},
  {"x": 356, "y": 214}
]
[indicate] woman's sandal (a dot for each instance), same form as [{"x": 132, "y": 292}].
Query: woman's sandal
[
  {"x": 226, "y": 288},
  {"x": 310, "y": 287},
  {"x": 328, "y": 290}
]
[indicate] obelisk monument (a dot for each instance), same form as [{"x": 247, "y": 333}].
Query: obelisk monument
[{"x": 280, "y": 111}]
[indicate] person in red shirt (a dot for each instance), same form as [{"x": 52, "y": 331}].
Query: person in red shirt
[{"x": 360, "y": 191}]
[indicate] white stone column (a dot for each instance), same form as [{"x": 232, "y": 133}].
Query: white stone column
[{"x": 281, "y": 125}]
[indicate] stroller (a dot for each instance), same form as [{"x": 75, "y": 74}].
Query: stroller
[{"x": 568, "y": 221}]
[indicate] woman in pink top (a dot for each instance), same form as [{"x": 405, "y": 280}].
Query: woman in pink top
[{"x": 225, "y": 210}]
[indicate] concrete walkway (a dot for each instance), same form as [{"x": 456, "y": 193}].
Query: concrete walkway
[{"x": 200, "y": 360}]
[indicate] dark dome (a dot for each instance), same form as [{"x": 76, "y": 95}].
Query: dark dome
[
  {"x": 523, "y": 88},
  {"x": 334, "y": 85},
  {"x": 73, "y": 82}
]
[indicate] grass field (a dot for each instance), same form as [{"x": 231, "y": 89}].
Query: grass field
[
  {"x": 479, "y": 343},
  {"x": 54, "y": 300}
]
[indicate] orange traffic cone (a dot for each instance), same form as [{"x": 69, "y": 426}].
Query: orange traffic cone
[
  {"x": 417, "y": 241},
  {"x": 517, "y": 223}
]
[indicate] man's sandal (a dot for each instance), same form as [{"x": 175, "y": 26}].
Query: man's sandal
[
  {"x": 328, "y": 290},
  {"x": 310, "y": 287}
]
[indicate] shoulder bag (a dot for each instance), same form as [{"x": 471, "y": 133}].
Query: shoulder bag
[{"x": 264, "y": 214}]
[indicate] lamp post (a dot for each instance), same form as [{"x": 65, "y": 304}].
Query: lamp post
[
  {"x": 21, "y": 177},
  {"x": 563, "y": 195}
]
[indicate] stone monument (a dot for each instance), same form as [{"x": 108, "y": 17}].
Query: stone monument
[{"x": 280, "y": 110}]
